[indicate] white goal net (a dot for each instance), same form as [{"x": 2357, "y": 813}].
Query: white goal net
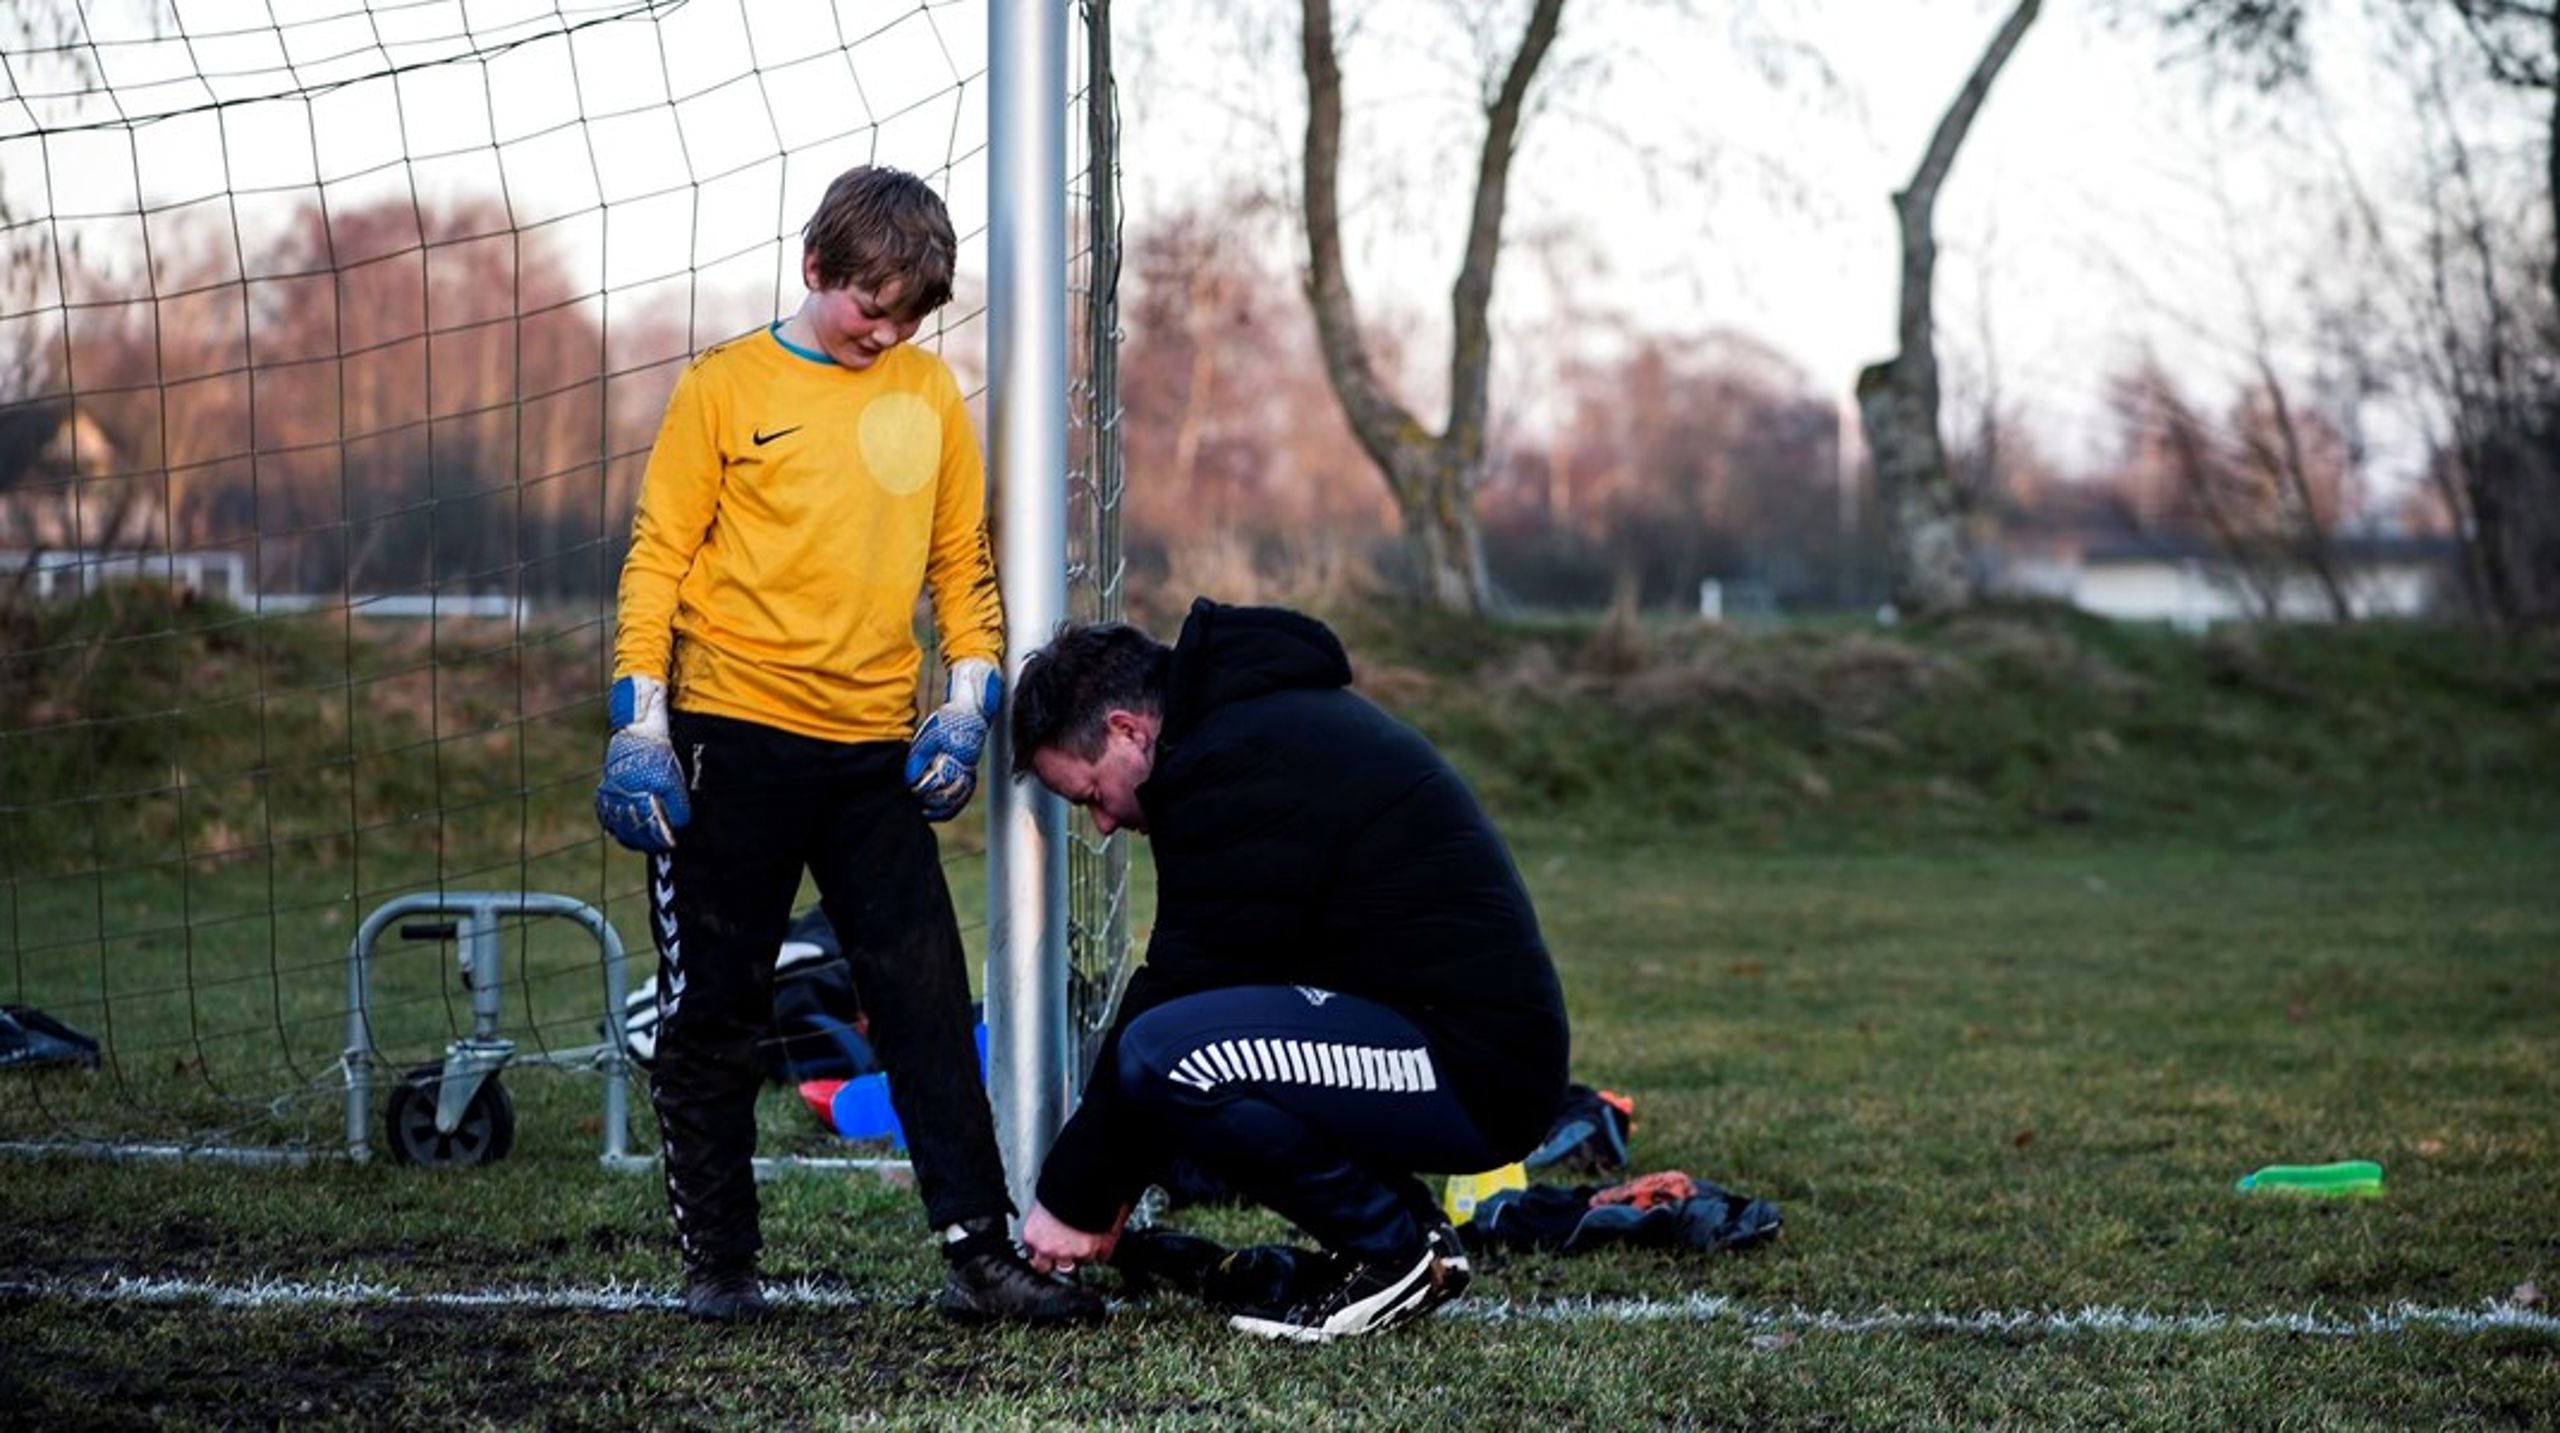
[{"x": 333, "y": 335}]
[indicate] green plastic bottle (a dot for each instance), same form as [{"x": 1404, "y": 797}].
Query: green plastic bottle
[{"x": 2348, "y": 1178}]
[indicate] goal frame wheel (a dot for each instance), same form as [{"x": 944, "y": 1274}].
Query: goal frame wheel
[{"x": 484, "y": 1135}]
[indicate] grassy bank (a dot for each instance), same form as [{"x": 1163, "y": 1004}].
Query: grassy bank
[{"x": 1996, "y": 725}]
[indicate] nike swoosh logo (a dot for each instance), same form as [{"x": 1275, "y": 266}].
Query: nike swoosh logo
[{"x": 763, "y": 437}]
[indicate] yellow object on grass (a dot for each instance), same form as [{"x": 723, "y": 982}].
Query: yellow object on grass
[{"x": 1465, "y": 1191}]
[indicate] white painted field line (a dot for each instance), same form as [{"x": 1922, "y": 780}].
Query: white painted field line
[
  {"x": 358, "y": 1293},
  {"x": 2398, "y": 1318},
  {"x": 2488, "y": 1317}
]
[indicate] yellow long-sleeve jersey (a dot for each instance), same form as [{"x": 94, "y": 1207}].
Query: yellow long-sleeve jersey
[{"x": 791, "y": 512}]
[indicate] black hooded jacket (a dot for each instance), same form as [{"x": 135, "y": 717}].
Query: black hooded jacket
[{"x": 1304, "y": 837}]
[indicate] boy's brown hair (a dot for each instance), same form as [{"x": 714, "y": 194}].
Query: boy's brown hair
[{"x": 878, "y": 226}]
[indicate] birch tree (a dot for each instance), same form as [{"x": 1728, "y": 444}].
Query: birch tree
[{"x": 1929, "y": 567}]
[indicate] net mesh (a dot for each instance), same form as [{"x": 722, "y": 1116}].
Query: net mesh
[
  {"x": 332, "y": 343},
  {"x": 1098, "y": 944}
]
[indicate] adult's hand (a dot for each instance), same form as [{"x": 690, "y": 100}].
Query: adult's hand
[{"x": 1057, "y": 1247}]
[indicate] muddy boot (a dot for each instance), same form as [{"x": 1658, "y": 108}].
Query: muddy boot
[
  {"x": 728, "y": 1295},
  {"x": 989, "y": 1279}
]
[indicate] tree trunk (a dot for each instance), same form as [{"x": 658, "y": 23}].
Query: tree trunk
[
  {"x": 2551, "y": 159},
  {"x": 1923, "y": 508},
  {"x": 1929, "y": 567},
  {"x": 1432, "y": 476}
]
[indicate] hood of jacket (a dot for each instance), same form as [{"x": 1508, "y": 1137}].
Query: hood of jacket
[{"x": 1232, "y": 654}]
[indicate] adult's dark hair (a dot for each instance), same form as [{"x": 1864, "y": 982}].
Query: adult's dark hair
[
  {"x": 1070, "y": 687},
  {"x": 878, "y": 226}
]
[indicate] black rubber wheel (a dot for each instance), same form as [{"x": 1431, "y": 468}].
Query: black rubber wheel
[{"x": 486, "y": 1133}]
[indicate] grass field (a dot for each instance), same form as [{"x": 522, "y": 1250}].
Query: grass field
[{"x": 1996, "y": 1011}]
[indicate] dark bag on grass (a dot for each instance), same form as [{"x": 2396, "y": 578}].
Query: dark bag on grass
[
  {"x": 819, "y": 1029},
  {"x": 1589, "y": 1135},
  {"x": 33, "y": 1040},
  {"x": 1659, "y": 1211}
]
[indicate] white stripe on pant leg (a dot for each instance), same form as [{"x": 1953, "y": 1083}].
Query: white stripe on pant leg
[
  {"x": 1223, "y": 1055},
  {"x": 1285, "y": 1061},
  {"x": 662, "y": 909}
]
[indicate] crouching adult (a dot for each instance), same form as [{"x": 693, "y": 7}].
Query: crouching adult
[{"x": 1345, "y": 985}]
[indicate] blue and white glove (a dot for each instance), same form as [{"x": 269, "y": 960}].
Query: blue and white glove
[
  {"x": 641, "y": 802},
  {"x": 942, "y": 765}
]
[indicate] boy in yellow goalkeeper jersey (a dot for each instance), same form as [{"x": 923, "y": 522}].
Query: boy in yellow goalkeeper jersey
[{"x": 809, "y": 479}]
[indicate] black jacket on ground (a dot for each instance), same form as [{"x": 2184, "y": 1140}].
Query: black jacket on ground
[{"x": 1304, "y": 837}]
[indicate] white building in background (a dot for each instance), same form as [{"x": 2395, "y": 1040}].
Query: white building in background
[
  {"x": 2191, "y": 586},
  {"x": 62, "y": 574}
]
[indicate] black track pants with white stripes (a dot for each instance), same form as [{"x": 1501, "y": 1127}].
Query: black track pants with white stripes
[
  {"x": 766, "y": 805},
  {"x": 1318, "y": 1105}
]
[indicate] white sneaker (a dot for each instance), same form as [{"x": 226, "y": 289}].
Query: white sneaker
[{"x": 1367, "y": 1297}]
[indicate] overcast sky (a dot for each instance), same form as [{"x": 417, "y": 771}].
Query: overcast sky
[
  {"x": 1690, "y": 166},
  {"x": 1715, "y": 166}
]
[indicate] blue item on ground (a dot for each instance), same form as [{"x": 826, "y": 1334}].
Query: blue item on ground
[{"x": 860, "y": 1108}]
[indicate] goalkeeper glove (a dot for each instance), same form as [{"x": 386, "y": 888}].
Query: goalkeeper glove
[
  {"x": 641, "y": 802},
  {"x": 942, "y": 765}
]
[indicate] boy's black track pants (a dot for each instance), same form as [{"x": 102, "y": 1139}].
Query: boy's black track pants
[{"x": 767, "y": 804}]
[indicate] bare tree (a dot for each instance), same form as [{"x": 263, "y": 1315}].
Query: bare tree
[
  {"x": 2494, "y": 363},
  {"x": 1433, "y": 475},
  {"x": 2266, "y": 490},
  {"x": 2517, "y": 44},
  {"x": 2309, "y": 498},
  {"x": 1248, "y": 456},
  {"x": 2489, "y": 344},
  {"x": 1929, "y": 568}
]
